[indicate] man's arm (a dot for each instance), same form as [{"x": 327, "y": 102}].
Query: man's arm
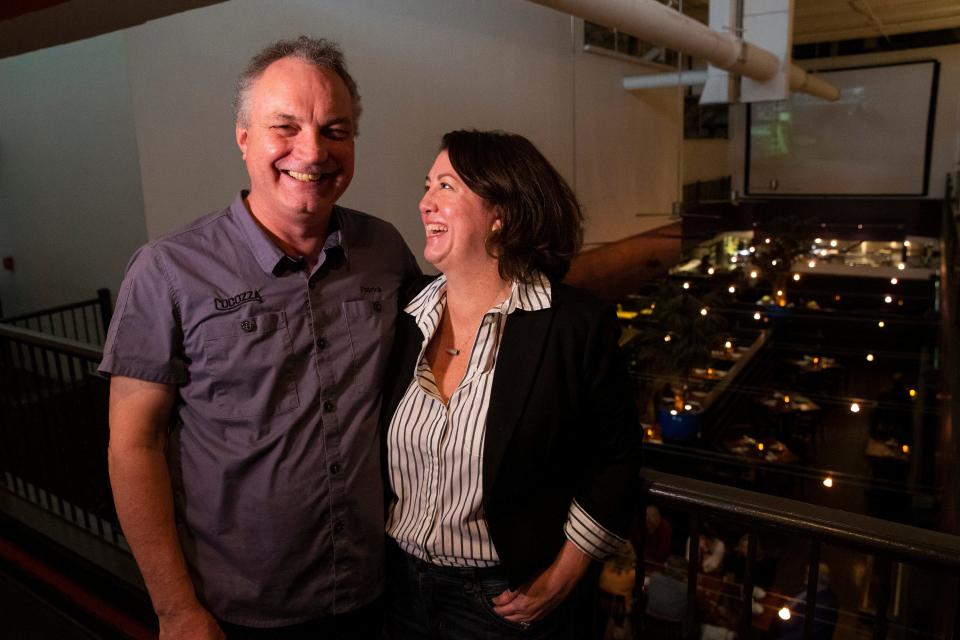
[{"x": 139, "y": 420}]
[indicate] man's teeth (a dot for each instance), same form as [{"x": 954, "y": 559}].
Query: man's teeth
[{"x": 304, "y": 177}]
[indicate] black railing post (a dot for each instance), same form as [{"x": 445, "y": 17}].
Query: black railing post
[
  {"x": 883, "y": 597},
  {"x": 813, "y": 583},
  {"x": 106, "y": 309},
  {"x": 690, "y": 627},
  {"x": 746, "y": 614}
]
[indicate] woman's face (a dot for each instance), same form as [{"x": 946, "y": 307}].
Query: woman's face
[{"x": 456, "y": 220}]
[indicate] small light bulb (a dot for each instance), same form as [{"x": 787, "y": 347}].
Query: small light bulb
[
  {"x": 710, "y": 271},
  {"x": 828, "y": 482},
  {"x": 786, "y": 399},
  {"x": 756, "y": 316},
  {"x": 703, "y": 311},
  {"x": 833, "y": 243},
  {"x": 753, "y": 274},
  {"x": 667, "y": 338},
  {"x": 779, "y": 293},
  {"x": 894, "y": 281},
  {"x": 812, "y": 264},
  {"x": 888, "y": 299},
  {"x": 673, "y": 412},
  {"x": 733, "y": 258},
  {"x": 784, "y": 613},
  {"x": 753, "y": 249},
  {"x": 759, "y": 446},
  {"x": 913, "y": 393},
  {"x": 901, "y": 266},
  {"x": 688, "y": 407},
  {"x": 796, "y": 277},
  {"x": 818, "y": 240},
  {"x": 686, "y": 285},
  {"x": 728, "y": 345},
  {"x": 766, "y": 241},
  {"x": 905, "y": 448},
  {"x": 869, "y": 357},
  {"x": 881, "y": 324},
  {"x": 649, "y": 433},
  {"x": 906, "y": 243},
  {"x": 773, "y": 262},
  {"x": 854, "y": 407}
]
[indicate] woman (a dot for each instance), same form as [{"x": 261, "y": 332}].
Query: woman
[{"x": 512, "y": 440}]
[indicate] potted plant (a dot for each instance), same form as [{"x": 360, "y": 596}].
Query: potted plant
[{"x": 680, "y": 330}]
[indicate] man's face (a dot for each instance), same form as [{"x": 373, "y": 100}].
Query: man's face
[{"x": 297, "y": 142}]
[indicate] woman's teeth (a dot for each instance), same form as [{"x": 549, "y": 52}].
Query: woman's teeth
[{"x": 434, "y": 229}]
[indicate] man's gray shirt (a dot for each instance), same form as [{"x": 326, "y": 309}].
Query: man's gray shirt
[{"x": 274, "y": 450}]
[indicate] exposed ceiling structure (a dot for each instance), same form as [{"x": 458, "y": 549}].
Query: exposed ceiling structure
[
  {"x": 27, "y": 25},
  {"x": 832, "y": 20}
]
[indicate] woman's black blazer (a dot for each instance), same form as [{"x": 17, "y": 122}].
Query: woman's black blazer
[{"x": 562, "y": 424}]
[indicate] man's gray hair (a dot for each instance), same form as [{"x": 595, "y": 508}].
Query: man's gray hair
[{"x": 319, "y": 52}]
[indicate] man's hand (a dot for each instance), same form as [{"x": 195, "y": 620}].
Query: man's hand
[
  {"x": 537, "y": 598},
  {"x": 195, "y": 623}
]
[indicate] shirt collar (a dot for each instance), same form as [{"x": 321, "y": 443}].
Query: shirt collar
[
  {"x": 268, "y": 255},
  {"x": 428, "y": 305}
]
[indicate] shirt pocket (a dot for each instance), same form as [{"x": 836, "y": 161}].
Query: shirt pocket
[
  {"x": 249, "y": 363},
  {"x": 370, "y": 325}
]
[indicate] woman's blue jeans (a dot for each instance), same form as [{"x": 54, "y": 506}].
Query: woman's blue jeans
[{"x": 430, "y": 602}]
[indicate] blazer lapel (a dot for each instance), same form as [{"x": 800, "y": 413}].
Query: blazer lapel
[{"x": 518, "y": 360}]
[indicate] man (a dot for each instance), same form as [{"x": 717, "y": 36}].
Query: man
[{"x": 246, "y": 354}]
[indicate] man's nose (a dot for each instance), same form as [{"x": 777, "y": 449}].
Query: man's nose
[{"x": 312, "y": 147}]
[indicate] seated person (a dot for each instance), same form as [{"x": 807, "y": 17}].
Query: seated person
[
  {"x": 659, "y": 538},
  {"x": 667, "y": 591},
  {"x": 825, "y": 618},
  {"x": 764, "y": 567},
  {"x": 712, "y": 550}
]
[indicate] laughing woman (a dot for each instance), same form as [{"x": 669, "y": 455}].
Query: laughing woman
[{"x": 512, "y": 439}]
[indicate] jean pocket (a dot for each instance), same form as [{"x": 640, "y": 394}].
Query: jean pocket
[{"x": 485, "y": 591}]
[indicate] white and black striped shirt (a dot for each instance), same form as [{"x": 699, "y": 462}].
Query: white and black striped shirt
[{"x": 435, "y": 450}]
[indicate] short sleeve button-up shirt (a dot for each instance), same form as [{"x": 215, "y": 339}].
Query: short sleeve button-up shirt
[{"x": 274, "y": 448}]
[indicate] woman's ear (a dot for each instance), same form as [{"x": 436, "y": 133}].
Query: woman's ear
[{"x": 496, "y": 226}]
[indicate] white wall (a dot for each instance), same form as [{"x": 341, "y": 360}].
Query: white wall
[
  {"x": 945, "y": 156},
  {"x": 423, "y": 66},
  {"x": 70, "y": 199}
]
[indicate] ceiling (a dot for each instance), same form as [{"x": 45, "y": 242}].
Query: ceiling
[
  {"x": 27, "y": 25},
  {"x": 832, "y": 20}
]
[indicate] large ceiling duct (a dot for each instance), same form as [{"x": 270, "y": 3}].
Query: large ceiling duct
[{"x": 659, "y": 24}]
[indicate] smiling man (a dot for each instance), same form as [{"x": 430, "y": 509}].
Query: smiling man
[{"x": 245, "y": 355}]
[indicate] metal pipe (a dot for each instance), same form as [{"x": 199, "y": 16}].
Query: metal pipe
[
  {"x": 656, "y": 80},
  {"x": 805, "y": 82},
  {"x": 657, "y": 23}
]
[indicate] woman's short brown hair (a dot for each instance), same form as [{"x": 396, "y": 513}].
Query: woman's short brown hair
[{"x": 542, "y": 225}]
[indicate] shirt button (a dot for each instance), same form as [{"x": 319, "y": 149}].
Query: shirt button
[
  {"x": 248, "y": 325},
  {"x": 321, "y": 343},
  {"x": 338, "y": 526},
  {"x": 312, "y": 284},
  {"x": 377, "y": 306},
  {"x": 335, "y": 468},
  {"x": 329, "y": 406}
]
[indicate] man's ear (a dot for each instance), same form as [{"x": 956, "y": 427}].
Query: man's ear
[{"x": 242, "y": 141}]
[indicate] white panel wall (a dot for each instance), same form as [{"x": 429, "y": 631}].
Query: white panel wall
[
  {"x": 70, "y": 199},
  {"x": 627, "y": 149},
  {"x": 142, "y": 121}
]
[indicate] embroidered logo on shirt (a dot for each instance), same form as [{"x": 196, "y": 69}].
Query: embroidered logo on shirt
[{"x": 225, "y": 304}]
